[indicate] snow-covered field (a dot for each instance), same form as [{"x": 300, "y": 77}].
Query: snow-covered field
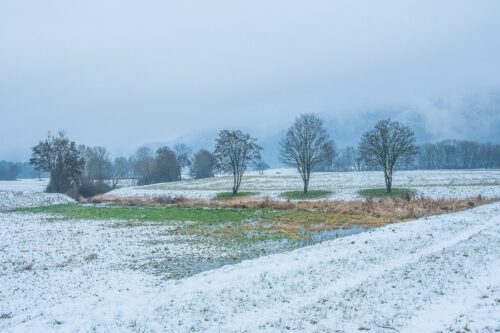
[
  {"x": 436, "y": 184},
  {"x": 435, "y": 274},
  {"x": 28, "y": 193},
  {"x": 31, "y": 185}
]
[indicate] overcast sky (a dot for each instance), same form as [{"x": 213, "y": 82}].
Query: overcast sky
[{"x": 123, "y": 73}]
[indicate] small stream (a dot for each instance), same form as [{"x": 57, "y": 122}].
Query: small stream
[{"x": 177, "y": 268}]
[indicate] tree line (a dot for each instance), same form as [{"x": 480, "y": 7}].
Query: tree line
[
  {"x": 307, "y": 147},
  {"x": 15, "y": 170},
  {"x": 9, "y": 170},
  {"x": 458, "y": 154},
  {"x": 446, "y": 154},
  {"x": 87, "y": 171}
]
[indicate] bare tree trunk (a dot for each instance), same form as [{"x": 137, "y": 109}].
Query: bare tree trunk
[
  {"x": 388, "y": 180},
  {"x": 236, "y": 182},
  {"x": 305, "y": 180},
  {"x": 235, "y": 188}
]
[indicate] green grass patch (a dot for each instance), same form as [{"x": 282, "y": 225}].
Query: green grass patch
[
  {"x": 144, "y": 213},
  {"x": 219, "y": 224},
  {"x": 299, "y": 195},
  {"x": 230, "y": 195},
  {"x": 381, "y": 193}
]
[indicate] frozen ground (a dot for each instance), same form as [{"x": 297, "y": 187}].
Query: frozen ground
[
  {"x": 436, "y": 184},
  {"x": 438, "y": 274}
]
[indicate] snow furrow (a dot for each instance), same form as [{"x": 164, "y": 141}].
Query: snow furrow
[
  {"x": 460, "y": 311},
  {"x": 351, "y": 280}
]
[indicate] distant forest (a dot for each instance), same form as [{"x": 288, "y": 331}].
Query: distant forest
[
  {"x": 17, "y": 170},
  {"x": 447, "y": 154}
]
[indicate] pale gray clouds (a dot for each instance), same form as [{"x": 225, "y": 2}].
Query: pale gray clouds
[{"x": 122, "y": 73}]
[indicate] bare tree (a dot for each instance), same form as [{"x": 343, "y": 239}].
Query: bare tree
[
  {"x": 388, "y": 144},
  {"x": 328, "y": 164},
  {"x": 142, "y": 163},
  {"x": 183, "y": 154},
  {"x": 306, "y": 146},
  {"x": 234, "y": 152},
  {"x": 358, "y": 161},
  {"x": 261, "y": 166},
  {"x": 120, "y": 170},
  {"x": 98, "y": 165},
  {"x": 346, "y": 160}
]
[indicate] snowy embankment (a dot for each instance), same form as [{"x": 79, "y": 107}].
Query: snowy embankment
[
  {"x": 432, "y": 184},
  {"x": 435, "y": 274},
  {"x": 16, "y": 199},
  {"x": 28, "y": 193}
]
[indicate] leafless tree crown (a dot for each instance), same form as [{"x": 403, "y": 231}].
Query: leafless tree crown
[
  {"x": 306, "y": 145},
  {"x": 234, "y": 152},
  {"x": 388, "y": 144},
  {"x": 183, "y": 154}
]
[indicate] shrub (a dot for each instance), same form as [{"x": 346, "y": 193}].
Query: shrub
[{"x": 90, "y": 188}]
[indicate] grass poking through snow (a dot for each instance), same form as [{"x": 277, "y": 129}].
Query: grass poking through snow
[
  {"x": 230, "y": 195},
  {"x": 300, "y": 195},
  {"x": 381, "y": 193}
]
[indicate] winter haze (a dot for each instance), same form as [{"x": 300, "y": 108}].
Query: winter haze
[{"x": 126, "y": 73}]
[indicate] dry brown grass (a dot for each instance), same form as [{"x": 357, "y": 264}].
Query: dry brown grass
[{"x": 332, "y": 214}]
